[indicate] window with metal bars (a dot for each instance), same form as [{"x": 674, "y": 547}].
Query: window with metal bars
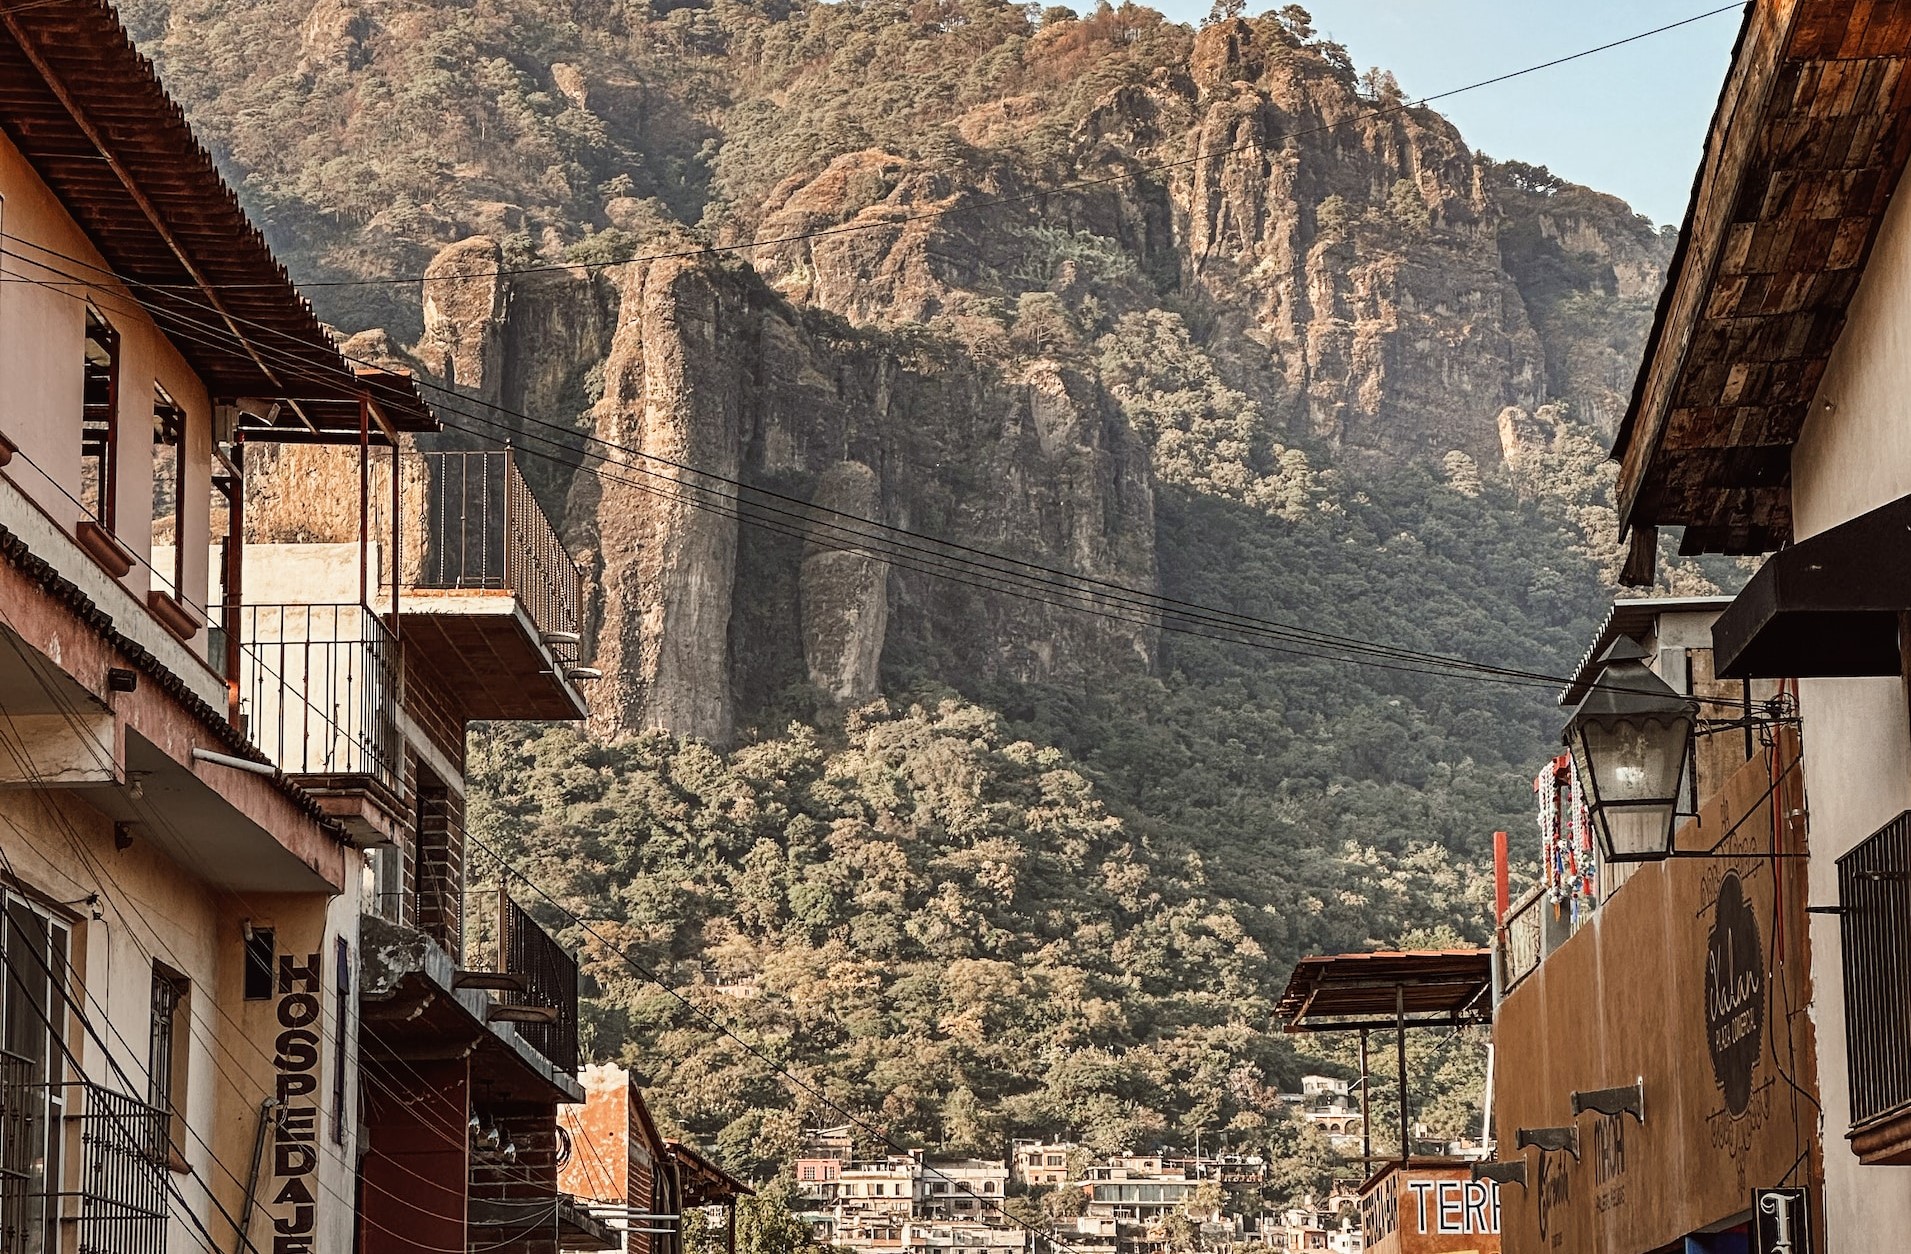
[
  {"x": 33, "y": 947},
  {"x": 1874, "y": 896},
  {"x": 166, "y": 1056}
]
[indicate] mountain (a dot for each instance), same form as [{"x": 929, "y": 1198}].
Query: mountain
[{"x": 1205, "y": 312}]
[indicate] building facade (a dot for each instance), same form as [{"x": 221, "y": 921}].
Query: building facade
[
  {"x": 1654, "y": 1061},
  {"x": 251, "y": 1002},
  {"x": 1770, "y": 419}
]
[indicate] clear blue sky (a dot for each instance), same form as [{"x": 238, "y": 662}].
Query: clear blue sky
[{"x": 1630, "y": 121}]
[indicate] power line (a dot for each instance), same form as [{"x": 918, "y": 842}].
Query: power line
[
  {"x": 1077, "y": 185},
  {"x": 948, "y": 556}
]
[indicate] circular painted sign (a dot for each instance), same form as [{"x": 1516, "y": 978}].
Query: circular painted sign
[{"x": 1734, "y": 994}]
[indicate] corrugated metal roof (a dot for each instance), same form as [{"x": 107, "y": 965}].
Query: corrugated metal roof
[
  {"x": 1433, "y": 985},
  {"x": 1635, "y": 617},
  {"x": 88, "y": 112}
]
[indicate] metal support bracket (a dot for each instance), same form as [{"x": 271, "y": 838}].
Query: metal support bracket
[
  {"x": 1502, "y": 1173},
  {"x": 1629, "y": 1100},
  {"x": 1551, "y": 1140}
]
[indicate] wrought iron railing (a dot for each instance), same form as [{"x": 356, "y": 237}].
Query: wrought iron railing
[
  {"x": 318, "y": 688},
  {"x": 123, "y": 1183},
  {"x": 484, "y": 529},
  {"x": 1521, "y": 939},
  {"x": 24, "y": 1120},
  {"x": 1874, "y": 893},
  {"x": 547, "y": 979}
]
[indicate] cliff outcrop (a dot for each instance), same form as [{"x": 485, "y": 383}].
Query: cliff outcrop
[{"x": 988, "y": 278}]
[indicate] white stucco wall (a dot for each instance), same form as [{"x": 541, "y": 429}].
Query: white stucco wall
[{"x": 1853, "y": 456}]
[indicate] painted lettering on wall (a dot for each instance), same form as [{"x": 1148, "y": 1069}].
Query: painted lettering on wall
[
  {"x": 295, "y": 1126},
  {"x": 1379, "y": 1216},
  {"x": 1734, "y": 994},
  {"x": 1554, "y": 1194},
  {"x": 1609, "y": 1162},
  {"x": 1456, "y": 1207}
]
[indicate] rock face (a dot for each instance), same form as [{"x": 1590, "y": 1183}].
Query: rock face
[
  {"x": 780, "y": 410},
  {"x": 1109, "y": 251},
  {"x": 1368, "y": 283}
]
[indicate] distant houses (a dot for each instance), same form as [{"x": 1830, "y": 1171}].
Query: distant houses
[{"x": 1128, "y": 1203}]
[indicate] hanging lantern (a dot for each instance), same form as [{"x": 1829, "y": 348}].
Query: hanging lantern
[{"x": 1630, "y": 739}]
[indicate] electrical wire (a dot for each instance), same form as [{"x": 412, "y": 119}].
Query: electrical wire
[
  {"x": 122, "y": 901},
  {"x": 729, "y": 490},
  {"x": 938, "y": 562}
]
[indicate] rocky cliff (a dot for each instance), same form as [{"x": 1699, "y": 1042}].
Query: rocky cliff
[{"x": 988, "y": 278}]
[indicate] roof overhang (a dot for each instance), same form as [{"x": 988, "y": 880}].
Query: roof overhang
[
  {"x": 86, "y": 110},
  {"x": 1388, "y": 988},
  {"x": 705, "y": 1183},
  {"x": 1639, "y": 618},
  {"x": 1827, "y": 606},
  {"x": 1811, "y": 135}
]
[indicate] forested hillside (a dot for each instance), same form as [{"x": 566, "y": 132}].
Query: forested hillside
[{"x": 1210, "y": 313}]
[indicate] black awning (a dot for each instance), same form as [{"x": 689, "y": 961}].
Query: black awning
[{"x": 1824, "y": 607}]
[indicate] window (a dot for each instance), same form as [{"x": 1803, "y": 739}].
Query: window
[
  {"x": 261, "y": 954},
  {"x": 342, "y": 1014},
  {"x": 32, "y": 1068},
  {"x": 1055, "y": 1160},
  {"x": 99, "y": 418},
  {"x": 169, "y": 483},
  {"x": 809, "y": 1173},
  {"x": 166, "y": 1053},
  {"x": 385, "y": 882}
]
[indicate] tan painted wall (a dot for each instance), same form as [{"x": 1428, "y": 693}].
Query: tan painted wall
[
  {"x": 1853, "y": 456},
  {"x": 42, "y": 325},
  {"x": 1627, "y": 998},
  {"x": 60, "y": 851}
]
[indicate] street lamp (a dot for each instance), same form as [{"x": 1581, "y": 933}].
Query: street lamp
[{"x": 1629, "y": 740}]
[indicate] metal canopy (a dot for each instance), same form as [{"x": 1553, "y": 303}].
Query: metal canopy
[
  {"x": 1825, "y": 607},
  {"x": 705, "y": 1183},
  {"x": 1426, "y": 987},
  {"x": 86, "y": 110}
]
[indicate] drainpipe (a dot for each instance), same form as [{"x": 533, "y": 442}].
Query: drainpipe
[{"x": 244, "y": 1226}]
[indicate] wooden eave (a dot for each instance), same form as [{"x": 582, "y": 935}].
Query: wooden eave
[
  {"x": 1812, "y": 132},
  {"x": 89, "y": 114}
]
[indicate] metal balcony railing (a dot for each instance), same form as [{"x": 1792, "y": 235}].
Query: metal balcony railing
[
  {"x": 123, "y": 1181},
  {"x": 547, "y": 977},
  {"x": 318, "y": 688},
  {"x": 484, "y": 529},
  {"x": 123, "y": 1173},
  {"x": 1520, "y": 939},
  {"x": 1874, "y": 892}
]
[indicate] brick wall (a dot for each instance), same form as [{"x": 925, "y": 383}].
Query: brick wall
[{"x": 520, "y": 1190}]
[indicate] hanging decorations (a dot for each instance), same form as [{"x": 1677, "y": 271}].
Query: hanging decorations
[{"x": 1567, "y": 863}]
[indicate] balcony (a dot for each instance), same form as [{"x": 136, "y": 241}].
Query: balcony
[
  {"x": 120, "y": 1204},
  {"x": 1874, "y": 894},
  {"x": 318, "y": 690},
  {"x": 520, "y": 1012},
  {"x": 541, "y": 998},
  {"x": 1533, "y": 928},
  {"x": 493, "y": 598}
]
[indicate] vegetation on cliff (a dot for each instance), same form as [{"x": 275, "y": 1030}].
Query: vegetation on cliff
[{"x": 1021, "y": 893}]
